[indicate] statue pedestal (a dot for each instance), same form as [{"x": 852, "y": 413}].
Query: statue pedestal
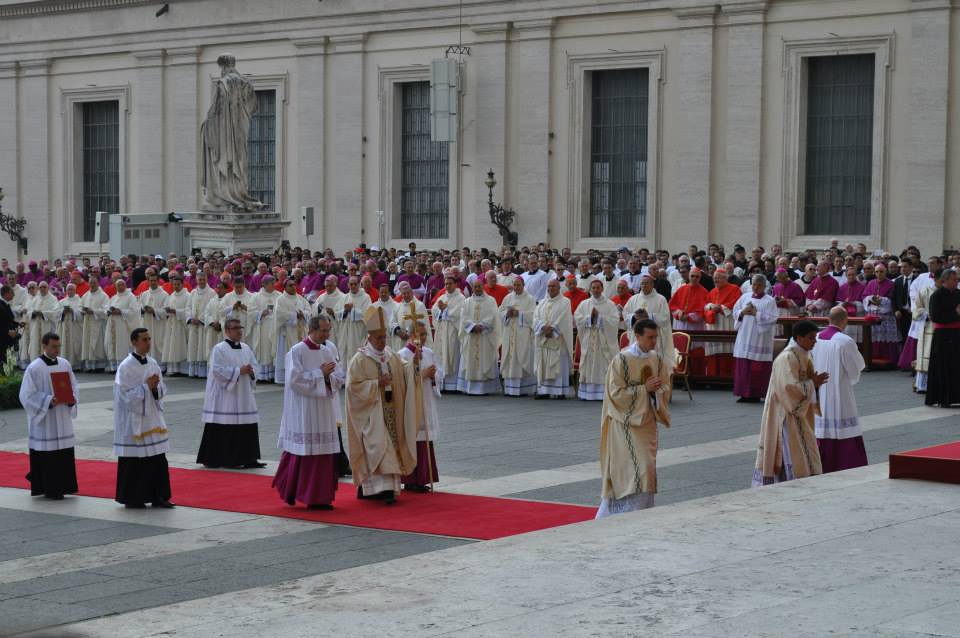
[{"x": 230, "y": 232}]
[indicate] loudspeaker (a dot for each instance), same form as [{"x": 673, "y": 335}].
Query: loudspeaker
[
  {"x": 306, "y": 220},
  {"x": 101, "y": 232}
]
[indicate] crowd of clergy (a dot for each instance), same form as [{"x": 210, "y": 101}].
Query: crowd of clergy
[{"x": 394, "y": 330}]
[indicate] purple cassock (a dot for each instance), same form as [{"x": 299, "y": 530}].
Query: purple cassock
[
  {"x": 379, "y": 277},
  {"x": 310, "y": 282},
  {"x": 886, "y": 336},
  {"x": 852, "y": 297},
  {"x": 790, "y": 290},
  {"x": 416, "y": 281},
  {"x": 823, "y": 290}
]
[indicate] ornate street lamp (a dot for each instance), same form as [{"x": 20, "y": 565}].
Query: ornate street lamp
[
  {"x": 13, "y": 226},
  {"x": 499, "y": 216}
]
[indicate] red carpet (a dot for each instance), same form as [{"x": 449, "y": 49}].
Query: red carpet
[
  {"x": 459, "y": 515},
  {"x": 939, "y": 463}
]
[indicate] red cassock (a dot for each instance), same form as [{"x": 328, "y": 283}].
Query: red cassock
[
  {"x": 720, "y": 364},
  {"x": 575, "y": 298},
  {"x": 689, "y": 299}
]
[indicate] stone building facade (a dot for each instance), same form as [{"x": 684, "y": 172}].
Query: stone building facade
[{"x": 644, "y": 123}]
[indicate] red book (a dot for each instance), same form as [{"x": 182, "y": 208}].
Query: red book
[{"x": 62, "y": 388}]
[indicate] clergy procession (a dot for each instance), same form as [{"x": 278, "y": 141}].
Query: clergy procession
[{"x": 372, "y": 340}]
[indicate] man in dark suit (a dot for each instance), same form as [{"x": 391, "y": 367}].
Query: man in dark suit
[
  {"x": 140, "y": 272},
  {"x": 8, "y": 325},
  {"x": 901, "y": 297}
]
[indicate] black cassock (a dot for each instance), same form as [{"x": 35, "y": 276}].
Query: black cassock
[{"x": 943, "y": 383}]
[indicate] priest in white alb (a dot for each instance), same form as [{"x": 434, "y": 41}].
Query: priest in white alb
[
  {"x": 230, "y": 414},
  {"x": 349, "y": 312},
  {"x": 140, "y": 438},
  {"x": 327, "y": 303},
  {"x": 420, "y": 405},
  {"x": 446, "y": 323},
  {"x": 553, "y": 343},
  {"x": 480, "y": 336},
  {"x": 636, "y": 399},
  {"x": 123, "y": 318},
  {"x": 409, "y": 310},
  {"x": 152, "y": 302},
  {"x": 382, "y": 441},
  {"x": 755, "y": 314},
  {"x": 292, "y": 312},
  {"x": 516, "y": 365},
  {"x": 597, "y": 320},
  {"x": 650, "y": 304},
  {"x": 390, "y": 305},
  {"x": 95, "y": 306},
  {"x": 200, "y": 298},
  {"x": 51, "y": 441},
  {"x": 45, "y": 314},
  {"x": 839, "y": 435},
  {"x": 173, "y": 357},
  {"x": 241, "y": 304},
  {"x": 71, "y": 326},
  {"x": 310, "y": 421},
  {"x": 265, "y": 341}
]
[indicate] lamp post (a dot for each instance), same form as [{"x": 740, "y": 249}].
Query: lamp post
[
  {"x": 500, "y": 217},
  {"x": 14, "y": 227}
]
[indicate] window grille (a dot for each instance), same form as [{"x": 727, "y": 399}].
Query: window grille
[
  {"x": 101, "y": 162},
  {"x": 262, "y": 150},
  {"x": 425, "y": 168}
]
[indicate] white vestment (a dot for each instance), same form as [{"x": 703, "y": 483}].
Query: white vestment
[
  {"x": 755, "y": 332},
  {"x": 402, "y": 319},
  {"x": 197, "y": 352},
  {"x": 71, "y": 330},
  {"x": 598, "y": 344},
  {"x": 553, "y": 355},
  {"x": 427, "y": 421},
  {"x": 311, "y": 404},
  {"x": 22, "y": 314},
  {"x": 353, "y": 332},
  {"x": 516, "y": 366},
  {"x": 92, "y": 351},
  {"x": 841, "y": 359},
  {"x": 265, "y": 338},
  {"x": 49, "y": 309},
  {"x": 213, "y": 317},
  {"x": 327, "y": 304},
  {"x": 49, "y": 429},
  {"x": 535, "y": 283},
  {"x": 119, "y": 327},
  {"x": 446, "y": 340},
  {"x": 291, "y": 314},
  {"x": 479, "y": 372},
  {"x": 389, "y": 307},
  {"x": 658, "y": 311},
  {"x": 174, "y": 353},
  {"x": 155, "y": 319},
  {"x": 139, "y": 427},
  {"x": 247, "y": 314},
  {"x": 229, "y": 397}
]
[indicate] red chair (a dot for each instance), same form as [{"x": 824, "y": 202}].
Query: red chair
[
  {"x": 681, "y": 343},
  {"x": 624, "y": 340}
]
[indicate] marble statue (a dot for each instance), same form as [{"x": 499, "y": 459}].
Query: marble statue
[{"x": 224, "y": 133}]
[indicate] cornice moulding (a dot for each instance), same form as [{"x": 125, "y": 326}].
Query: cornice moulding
[{"x": 47, "y": 7}]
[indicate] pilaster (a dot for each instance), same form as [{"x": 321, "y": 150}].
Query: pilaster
[
  {"x": 182, "y": 170},
  {"x": 530, "y": 57},
  {"x": 311, "y": 156},
  {"x": 8, "y": 140},
  {"x": 344, "y": 221},
  {"x": 694, "y": 113},
  {"x": 148, "y": 184},
  {"x": 34, "y": 168}
]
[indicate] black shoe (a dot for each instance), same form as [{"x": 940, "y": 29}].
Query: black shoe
[
  {"x": 254, "y": 465},
  {"x": 417, "y": 488},
  {"x": 292, "y": 502},
  {"x": 210, "y": 467},
  {"x": 167, "y": 505},
  {"x": 54, "y": 497},
  {"x": 562, "y": 397},
  {"x": 134, "y": 506},
  {"x": 322, "y": 506},
  {"x": 539, "y": 397},
  {"x": 388, "y": 497},
  {"x": 360, "y": 494}
]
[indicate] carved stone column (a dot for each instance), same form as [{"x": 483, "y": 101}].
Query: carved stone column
[
  {"x": 183, "y": 131},
  {"x": 147, "y": 96}
]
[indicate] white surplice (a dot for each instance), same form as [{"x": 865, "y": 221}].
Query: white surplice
[
  {"x": 93, "y": 352},
  {"x": 229, "y": 397},
  {"x": 155, "y": 319},
  {"x": 139, "y": 426},
  {"x": 71, "y": 330},
  {"x": 197, "y": 352},
  {"x": 49, "y": 429},
  {"x": 598, "y": 344},
  {"x": 446, "y": 340},
  {"x": 839, "y": 417},
  {"x": 49, "y": 316},
  {"x": 517, "y": 365},
  {"x": 352, "y": 332},
  {"x": 174, "y": 353},
  {"x": 427, "y": 423},
  {"x": 553, "y": 355},
  {"x": 755, "y": 332},
  {"x": 119, "y": 327},
  {"x": 479, "y": 372},
  {"x": 311, "y": 404},
  {"x": 291, "y": 314}
]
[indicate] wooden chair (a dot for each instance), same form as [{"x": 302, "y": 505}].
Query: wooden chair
[{"x": 681, "y": 343}]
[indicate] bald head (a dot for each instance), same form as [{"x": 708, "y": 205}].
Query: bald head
[{"x": 838, "y": 317}]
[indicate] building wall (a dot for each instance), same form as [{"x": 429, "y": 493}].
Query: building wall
[{"x": 724, "y": 87}]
